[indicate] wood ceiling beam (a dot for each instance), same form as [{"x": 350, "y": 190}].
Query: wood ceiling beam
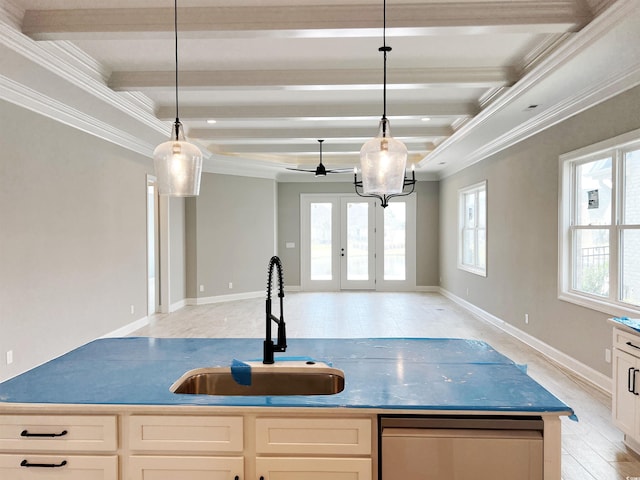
[
  {"x": 328, "y": 78},
  {"x": 304, "y": 20},
  {"x": 360, "y": 133},
  {"x": 309, "y": 152},
  {"x": 311, "y": 111}
]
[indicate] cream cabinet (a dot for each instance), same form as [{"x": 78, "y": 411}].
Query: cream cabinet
[
  {"x": 61, "y": 447},
  {"x": 185, "y": 447},
  {"x": 313, "y": 448},
  {"x": 167, "y": 444},
  {"x": 626, "y": 376}
]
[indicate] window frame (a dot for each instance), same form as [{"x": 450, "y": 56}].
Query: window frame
[
  {"x": 475, "y": 189},
  {"x": 616, "y": 148}
]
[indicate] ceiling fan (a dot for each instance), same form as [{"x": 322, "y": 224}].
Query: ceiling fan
[{"x": 320, "y": 170}]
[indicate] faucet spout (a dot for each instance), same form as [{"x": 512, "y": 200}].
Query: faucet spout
[{"x": 281, "y": 345}]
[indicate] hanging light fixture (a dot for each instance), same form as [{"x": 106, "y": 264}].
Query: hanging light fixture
[
  {"x": 178, "y": 163},
  {"x": 383, "y": 159}
]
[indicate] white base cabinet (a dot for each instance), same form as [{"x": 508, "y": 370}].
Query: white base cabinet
[
  {"x": 168, "y": 467},
  {"x": 58, "y": 447},
  {"x": 626, "y": 387},
  {"x": 312, "y": 468}
]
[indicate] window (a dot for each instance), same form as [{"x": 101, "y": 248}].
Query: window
[
  {"x": 472, "y": 250},
  {"x": 600, "y": 226}
]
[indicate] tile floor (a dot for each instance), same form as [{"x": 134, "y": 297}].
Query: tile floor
[{"x": 592, "y": 447}]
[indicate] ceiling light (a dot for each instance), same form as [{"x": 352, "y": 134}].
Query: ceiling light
[
  {"x": 383, "y": 159},
  {"x": 211, "y": 121},
  {"x": 178, "y": 163},
  {"x": 426, "y": 119}
]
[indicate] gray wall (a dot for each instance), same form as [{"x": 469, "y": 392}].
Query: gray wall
[
  {"x": 427, "y": 253},
  {"x": 72, "y": 238},
  {"x": 522, "y": 193},
  {"x": 230, "y": 235},
  {"x": 177, "y": 252}
]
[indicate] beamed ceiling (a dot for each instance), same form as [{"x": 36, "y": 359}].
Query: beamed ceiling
[{"x": 262, "y": 80}]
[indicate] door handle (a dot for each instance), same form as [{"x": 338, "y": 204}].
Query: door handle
[
  {"x": 25, "y": 433},
  {"x": 25, "y": 463},
  {"x": 631, "y": 380}
]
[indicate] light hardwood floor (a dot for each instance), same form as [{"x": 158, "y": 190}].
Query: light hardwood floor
[{"x": 592, "y": 447}]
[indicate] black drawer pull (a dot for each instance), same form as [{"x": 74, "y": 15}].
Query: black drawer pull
[
  {"x": 632, "y": 345},
  {"x": 25, "y": 463},
  {"x": 25, "y": 433}
]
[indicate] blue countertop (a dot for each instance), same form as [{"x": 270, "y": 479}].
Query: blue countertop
[
  {"x": 632, "y": 323},
  {"x": 388, "y": 373}
]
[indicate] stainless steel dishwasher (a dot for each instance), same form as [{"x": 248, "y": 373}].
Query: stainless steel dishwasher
[{"x": 461, "y": 448}]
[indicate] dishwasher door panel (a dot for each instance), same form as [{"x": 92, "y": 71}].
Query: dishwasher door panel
[{"x": 461, "y": 454}]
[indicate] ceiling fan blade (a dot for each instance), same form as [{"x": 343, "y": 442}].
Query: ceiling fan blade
[
  {"x": 340, "y": 170},
  {"x": 301, "y": 170}
]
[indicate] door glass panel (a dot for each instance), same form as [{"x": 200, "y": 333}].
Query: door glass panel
[
  {"x": 321, "y": 248},
  {"x": 395, "y": 241},
  {"x": 357, "y": 241}
]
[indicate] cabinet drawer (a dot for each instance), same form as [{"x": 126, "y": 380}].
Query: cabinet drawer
[
  {"x": 67, "y": 467},
  {"x": 55, "y": 433},
  {"x": 184, "y": 433},
  {"x": 185, "y": 468},
  {"x": 321, "y": 436},
  {"x": 627, "y": 342},
  {"x": 313, "y": 468}
]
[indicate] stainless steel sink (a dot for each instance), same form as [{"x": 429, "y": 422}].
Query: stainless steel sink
[{"x": 286, "y": 378}]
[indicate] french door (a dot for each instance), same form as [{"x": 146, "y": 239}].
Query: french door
[{"x": 350, "y": 242}]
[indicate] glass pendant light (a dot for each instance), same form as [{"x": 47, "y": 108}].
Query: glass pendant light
[
  {"x": 178, "y": 163},
  {"x": 383, "y": 159}
]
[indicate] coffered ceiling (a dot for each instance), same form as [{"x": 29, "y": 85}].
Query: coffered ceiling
[{"x": 262, "y": 80}]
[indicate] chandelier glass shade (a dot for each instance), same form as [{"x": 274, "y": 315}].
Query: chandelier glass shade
[{"x": 177, "y": 163}]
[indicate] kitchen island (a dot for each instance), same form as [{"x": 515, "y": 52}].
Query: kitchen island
[{"x": 111, "y": 397}]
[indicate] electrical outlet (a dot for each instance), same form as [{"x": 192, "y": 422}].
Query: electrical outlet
[
  {"x": 202, "y": 288},
  {"x": 9, "y": 357},
  {"x": 607, "y": 355},
  {"x": 467, "y": 292},
  {"x": 133, "y": 309},
  {"x": 230, "y": 285},
  {"x": 526, "y": 318}
]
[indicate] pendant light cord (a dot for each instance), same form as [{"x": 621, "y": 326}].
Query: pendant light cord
[
  {"x": 175, "y": 30},
  {"x": 384, "y": 50}
]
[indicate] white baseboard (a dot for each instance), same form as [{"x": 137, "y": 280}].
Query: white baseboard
[
  {"x": 292, "y": 288},
  {"x": 225, "y": 298},
  {"x": 426, "y": 288},
  {"x": 129, "y": 328},
  {"x": 579, "y": 369},
  {"x": 177, "y": 306}
]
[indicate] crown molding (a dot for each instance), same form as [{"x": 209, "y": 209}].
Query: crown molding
[
  {"x": 11, "y": 13},
  {"x": 30, "y": 99},
  {"x": 75, "y": 67},
  {"x": 579, "y": 102},
  {"x": 556, "y": 60}
]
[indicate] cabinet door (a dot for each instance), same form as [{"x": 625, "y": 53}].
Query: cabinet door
[
  {"x": 624, "y": 399},
  {"x": 58, "y": 433},
  {"x": 58, "y": 467},
  {"x": 173, "y": 433},
  {"x": 147, "y": 467},
  {"x": 290, "y": 468}
]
